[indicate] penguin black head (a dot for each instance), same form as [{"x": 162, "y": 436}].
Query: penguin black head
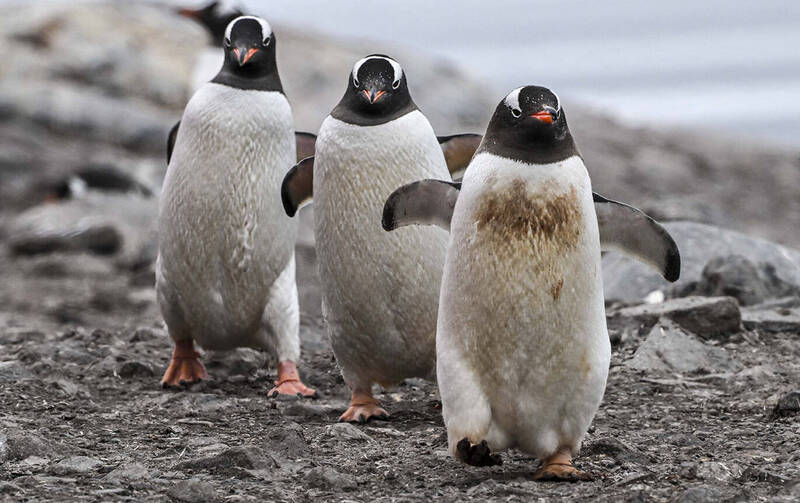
[
  {"x": 377, "y": 92},
  {"x": 249, "y": 46},
  {"x": 530, "y": 125},
  {"x": 214, "y": 17}
]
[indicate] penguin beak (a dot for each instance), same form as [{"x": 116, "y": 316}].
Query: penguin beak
[
  {"x": 373, "y": 95},
  {"x": 547, "y": 115},
  {"x": 190, "y": 13},
  {"x": 243, "y": 54}
]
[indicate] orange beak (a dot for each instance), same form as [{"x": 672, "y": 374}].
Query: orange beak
[
  {"x": 243, "y": 57},
  {"x": 373, "y": 96},
  {"x": 543, "y": 116}
]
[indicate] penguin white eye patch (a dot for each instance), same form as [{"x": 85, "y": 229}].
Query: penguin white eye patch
[
  {"x": 512, "y": 102},
  {"x": 266, "y": 29},
  {"x": 397, "y": 70}
]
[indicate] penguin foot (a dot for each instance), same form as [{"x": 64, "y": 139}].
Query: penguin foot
[
  {"x": 289, "y": 382},
  {"x": 477, "y": 454},
  {"x": 559, "y": 468},
  {"x": 363, "y": 407},
  {"x": 185, "y": 367}
]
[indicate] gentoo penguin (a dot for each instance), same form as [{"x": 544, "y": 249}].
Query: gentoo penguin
[
  {"x": 214, "y": 17},
  {"x": 225, "y": 274},
  {"x": 522, "y": 346},
  {"x": 379, "y": 291}
]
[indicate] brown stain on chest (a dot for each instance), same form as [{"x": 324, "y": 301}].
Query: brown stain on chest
[
  {"x": 555, "y": 290},
  {"x": 518, "y": 214}
]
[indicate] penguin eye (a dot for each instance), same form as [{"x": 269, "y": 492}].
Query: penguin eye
[
  {"x": 355, "y": 81},
  {"x": 395, "y": 84},
  {"x": 516, "y": 112},
  {"x": 267, "y": 41}
]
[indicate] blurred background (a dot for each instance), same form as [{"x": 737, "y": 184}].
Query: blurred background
[{"x": 687, "y": 110}]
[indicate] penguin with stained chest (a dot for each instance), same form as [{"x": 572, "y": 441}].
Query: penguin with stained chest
[
  {"x": 225, "y": 274},
  {"x": 379, "y": 291},
  {"x": 522, "y": 345}
]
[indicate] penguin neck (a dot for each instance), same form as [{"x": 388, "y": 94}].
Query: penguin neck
[
  {"x": 529, "y": 150},
  {"x": 248, "y": 81},
  {"x": 349, "y": 110}
]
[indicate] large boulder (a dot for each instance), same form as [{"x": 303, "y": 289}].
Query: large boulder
[{"x": 625, "y": 279}]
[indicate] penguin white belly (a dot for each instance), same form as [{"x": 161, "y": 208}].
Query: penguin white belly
[
  {"x": 522, "y": 345},
  {"x": 380, "y": 290},
  {"x": 224, "y": 238}
]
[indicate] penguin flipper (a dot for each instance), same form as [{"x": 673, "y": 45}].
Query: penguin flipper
[
  {"x": 297, "y": 188},
  {"x": 458, "y": 150},
  {"x": 629, "y": 230},
  {"x": 425, "y": 202},
  {"x": 173, "y": 134},
  {"x": 305, "y": 144}
]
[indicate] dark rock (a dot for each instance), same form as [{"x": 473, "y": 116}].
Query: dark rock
[
  {"x": 738, "y": 277},
  {"x": 289, "y": 441},
  {"x": 128, "y": 472},
  {"x": 16, "y": 445},
  {"x": 240, "y": 361},
  {"x": 624, "y": 279},
  {"x": 100, "y": 239},
  {"x": 704, "y": 316},
  {"x": 323, "y": 477},
  {"x": 788, "y": 405},
  {"x": 237, "y": 462},
  {"x": 617, "y": 449},
  {"x": 13, "y": 370},
  {"x": 194, "y": 491},
  {"x": 76, "y": 465},
  {"x": 669, "y": 348},
  {"x": 700, "y": 494},
  {"x": 780, "y": 319},
  {"x": 135, "y": 368}
]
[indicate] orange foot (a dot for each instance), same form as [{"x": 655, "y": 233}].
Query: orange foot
[
  {"x": 559, "y": 468},
  {"x": 289, "y": 382},
  {"x": 363, "y": 407},
  {"x": 185, "y": 367},
  {"x": 477, "y": 454}
]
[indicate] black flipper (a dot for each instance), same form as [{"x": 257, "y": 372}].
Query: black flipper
[
  {"x": 297, "y": 188},
  {"x": 173, "y": 134},
  {"x": 458, "y": 150},
  {"x": 305, "y": 144},
  {"x": 425, "y": 202},
  {"x": 628, "y": 230}
]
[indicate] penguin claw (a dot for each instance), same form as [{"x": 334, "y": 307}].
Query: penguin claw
[
  {"x": 289, "y": 383},
  {"x": 363, "y": 413},
  {"x": 560, "y": 473},
  {"x": 183, "y": 371},
  {"x": 477, "y": 454}
]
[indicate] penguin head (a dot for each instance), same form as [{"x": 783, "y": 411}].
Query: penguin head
[
  {"x": 214, "y": 17},
  {"x": 377, "y": 86},
  {"x": 530, "y": 124},
  {"x": 249, "y": 46}
]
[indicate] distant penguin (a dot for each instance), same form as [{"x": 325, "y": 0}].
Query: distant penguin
[
  {"x": 225, "y": 275},
  {"x": 214, "y": 17},
  {"x": 379, "y": 291},
  {"x": 522, "y": 345}
]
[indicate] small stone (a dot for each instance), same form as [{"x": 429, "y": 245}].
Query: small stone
[
  {"x": 669, "y": 348},
  {"x": 700, "y": 494},
  {"x": 127, "y": 473},
  {"x": 345, "y": 431},
  {"x": 193, "y": 491},
  {"x": 16, "y": 445},
  {"x": 323, "y": 477},
  {"x": 706, "y": 317},
  {"x": 289, "y": 441},
  {"x": 135, "y": 368},
  {"x": 237, "y": 462},
  {"x": 617, "y": 449},
  {"x": 76, "y": 465},
  {"x": 716, "y": 471},
  {"x": 33, "y": 461},
  {"x": 13, "y": 370},
  {"x": 788, "y": 405}
]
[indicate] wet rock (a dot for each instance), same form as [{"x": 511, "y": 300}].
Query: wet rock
[
  {"x": 16, "y": 445},
  {"x": 237, "y": 462},
  {"x": 13, "y": 370},
  {"x": 194, "y": 491},
  {"x": 128, "y": 472},
  {"x": 788, "y": 405},
  {"x": 700, "y": 494},
  {"x": 76, "y": 465},
  {"x": 345, "y": 431},
  {"x": 289, "y": 441},
  {"x": 781, "y": 319},
  {"x": 135, "y": 368},
  {"x": 323, "y": 477},
  {"x": 617, "y": 449},
  {"x": 719, "y": 472},
  {"x": 625, "y": 279},
  {"x": 704, "y": 316},
  {"x": 671, "y": 349}
]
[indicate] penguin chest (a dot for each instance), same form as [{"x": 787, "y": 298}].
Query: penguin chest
[{"x": 526, "y": 243}]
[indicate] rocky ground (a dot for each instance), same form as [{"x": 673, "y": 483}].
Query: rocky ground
[{"x": 703, "y": 399}]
